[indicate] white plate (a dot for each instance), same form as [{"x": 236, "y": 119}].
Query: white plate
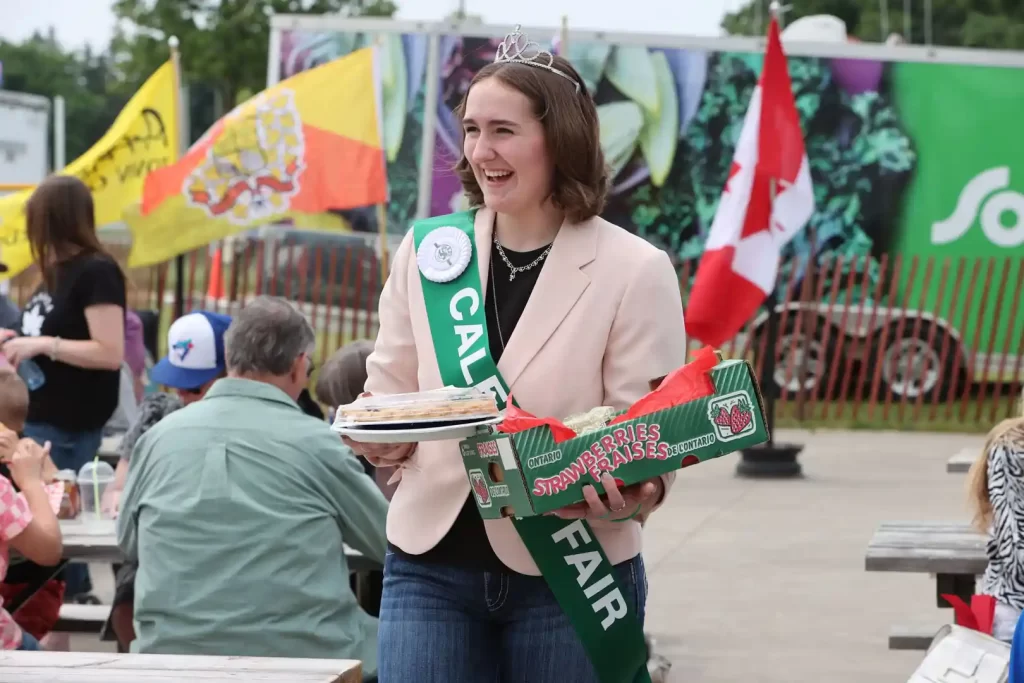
[
  {"x": 422, "y": 421},
  {"x": 461, "y": 430}
]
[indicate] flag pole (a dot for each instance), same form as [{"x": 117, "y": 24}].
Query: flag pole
[
  {"x": 179, "y": 260},
  {"x": 771, "y": 459}
]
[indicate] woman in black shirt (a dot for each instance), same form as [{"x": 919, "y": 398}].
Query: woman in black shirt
[{"x": 73, "y": 328}]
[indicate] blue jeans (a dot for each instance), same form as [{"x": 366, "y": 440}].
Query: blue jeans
[
  {"x": 29, "y": 642},
  {"x": 69, "y": 451},
  {"x": 442, "y": 624}
]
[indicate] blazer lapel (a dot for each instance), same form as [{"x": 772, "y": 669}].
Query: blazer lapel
[{"x": 559, "y": 286}]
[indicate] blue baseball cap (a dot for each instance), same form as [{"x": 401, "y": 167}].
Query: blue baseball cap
[{"x": 195, "y": 351}]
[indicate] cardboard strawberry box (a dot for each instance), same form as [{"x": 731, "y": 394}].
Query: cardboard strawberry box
[{"x": 527, "y": 466}]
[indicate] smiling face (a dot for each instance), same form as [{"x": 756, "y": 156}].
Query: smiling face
[{"x": 506, "y": 148}]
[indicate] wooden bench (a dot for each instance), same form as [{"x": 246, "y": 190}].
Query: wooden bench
[
  {"x": 90, "y": 667},
  {"x": 962, "y": 461},
  {"x": 913, "y": 637},
  {"x": 953, "y": 551},
  {"x": 82, "y": 618}
]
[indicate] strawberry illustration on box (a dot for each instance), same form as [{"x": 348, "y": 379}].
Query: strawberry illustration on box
[{"x": 529, "y": 465}]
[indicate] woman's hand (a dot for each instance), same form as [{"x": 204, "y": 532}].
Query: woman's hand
[
  {"x": 18, "y": 349},
  {"x": 636, "y": 500},
  {"x": 28, "y": 463},
  {"x": 380, "y": 454}
]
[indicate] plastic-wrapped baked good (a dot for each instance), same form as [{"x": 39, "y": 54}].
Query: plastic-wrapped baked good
[
  {"x": 449, "y": 403},
  {"x": 592, "y": 420}
]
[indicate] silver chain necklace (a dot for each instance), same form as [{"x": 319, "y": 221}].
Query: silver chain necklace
[{"x": 513, "y": 270}]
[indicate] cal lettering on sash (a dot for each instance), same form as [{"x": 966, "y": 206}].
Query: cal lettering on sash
[
  {"x": 466, "y": 293},
  {"x": 469, "y": 334},
  {"x": 492, "y": 384},
  {"x": 466, "y": 361}
]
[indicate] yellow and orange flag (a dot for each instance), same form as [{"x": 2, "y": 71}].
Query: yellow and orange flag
[{"x": 306, "y": 145}]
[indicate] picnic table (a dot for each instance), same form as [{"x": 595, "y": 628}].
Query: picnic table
[
  {"x": 90, "y": 667},
  {"x": 962, "y": 461},
  {"x": 96, "y": 541},
  {"x": 952, "y": 551}
]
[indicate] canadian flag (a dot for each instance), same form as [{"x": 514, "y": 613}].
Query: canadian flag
[{"x": 768, "y": 198}]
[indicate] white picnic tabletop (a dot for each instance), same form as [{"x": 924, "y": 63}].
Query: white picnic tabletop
[
  {"x": 100, "y": 667},
  {"x": 96, "y": 541}
]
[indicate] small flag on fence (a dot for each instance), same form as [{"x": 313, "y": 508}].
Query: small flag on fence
[
  {"x": 290, "y": 151},
  {"x": 767, "y": 199}
]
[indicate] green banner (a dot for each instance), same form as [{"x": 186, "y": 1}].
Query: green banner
[{"x": 566, "y": 552}]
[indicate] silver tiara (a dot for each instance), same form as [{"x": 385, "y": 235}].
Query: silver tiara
[{"x": 517, "y": 49}]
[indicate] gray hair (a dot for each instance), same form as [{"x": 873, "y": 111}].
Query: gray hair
[{"x": 266, "y": 337}]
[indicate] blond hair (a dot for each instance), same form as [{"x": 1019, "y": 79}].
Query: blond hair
[{"x": 1009, "y": 431}]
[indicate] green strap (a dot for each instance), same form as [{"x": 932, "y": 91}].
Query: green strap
[{"x": 566, "y": 551}]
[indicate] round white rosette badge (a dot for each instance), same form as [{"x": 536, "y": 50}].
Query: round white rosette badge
[{"x": 444, "y": 254}]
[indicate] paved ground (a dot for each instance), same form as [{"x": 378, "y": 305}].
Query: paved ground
[{"x": 764, "y": 580}]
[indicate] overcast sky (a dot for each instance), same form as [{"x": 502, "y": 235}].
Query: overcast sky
[{"x": 78, "y": 22}]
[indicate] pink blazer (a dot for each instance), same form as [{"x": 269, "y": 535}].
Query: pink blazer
[{"x": 604, "y": 318}]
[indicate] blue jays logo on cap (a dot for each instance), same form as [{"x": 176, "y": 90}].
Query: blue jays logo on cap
[
  {"x": 183, "y": 347},
  {"x": 195, "y": 355}
]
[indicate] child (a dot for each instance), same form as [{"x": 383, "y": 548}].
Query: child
[
  {"x": 28, "y": 523},
  {"x": 996, "y": 488}
]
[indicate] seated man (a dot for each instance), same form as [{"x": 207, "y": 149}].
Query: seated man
[{"x": 236, "y": 508}]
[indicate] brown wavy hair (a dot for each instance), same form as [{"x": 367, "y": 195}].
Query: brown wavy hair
[
  {"x": 580, "y": 181},
  {"x": 1009, "y": 431},
  {"x": 61, "y": 224}
]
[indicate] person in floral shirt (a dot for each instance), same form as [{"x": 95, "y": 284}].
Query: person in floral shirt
[{"x": 28, "y": 516}]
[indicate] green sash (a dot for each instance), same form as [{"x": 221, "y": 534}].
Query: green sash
[{"x": 566, "y": 551}]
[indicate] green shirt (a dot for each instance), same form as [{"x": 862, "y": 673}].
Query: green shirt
[{"x": 236, "y": 508}]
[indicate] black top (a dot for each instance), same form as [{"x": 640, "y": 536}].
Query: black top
[
  {"x": 73, "y": 398},
  {"x": 466, "y": 545}
]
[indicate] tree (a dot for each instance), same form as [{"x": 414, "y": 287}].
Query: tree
[
  {"x": 992, "y": 24},
  {"x": 224, "y": 45},
  {"x": 92, "y": 97}
]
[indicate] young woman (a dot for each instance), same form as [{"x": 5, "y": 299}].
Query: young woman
[
  {"x": 996, "y": 488},
  {"x": 73, "y": 327},
  {"x": 577, "y": 313}
]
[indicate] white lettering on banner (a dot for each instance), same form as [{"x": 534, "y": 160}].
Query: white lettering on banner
[
  {"x": 467, "y": 293},
  {"x": 586, "y": 564},
  {"x": 977, "y": 197}
]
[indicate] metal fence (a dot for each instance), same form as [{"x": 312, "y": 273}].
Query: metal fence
[{"x": 904, "y": 343}]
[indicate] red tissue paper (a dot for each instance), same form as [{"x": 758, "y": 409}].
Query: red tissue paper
[
  {"x": 691, "y": 381},
  {"x": 978, "y": 616}
]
